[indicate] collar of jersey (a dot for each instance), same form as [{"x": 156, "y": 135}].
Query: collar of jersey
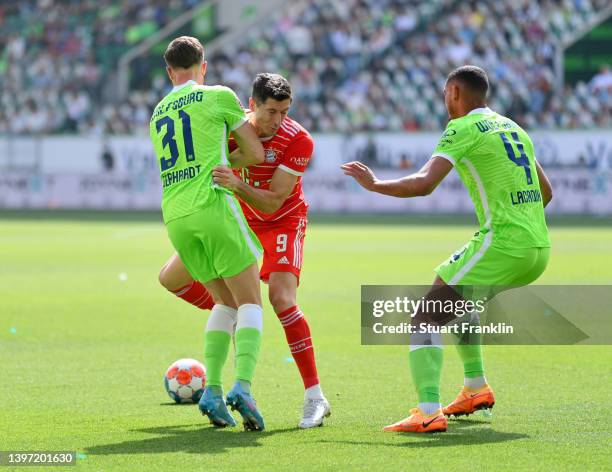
[
  {"x": 481, "y": 111},
  {"x": 178, "y": 87}
]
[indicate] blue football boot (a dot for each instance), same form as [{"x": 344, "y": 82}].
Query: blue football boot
[
  {"x": 239, "y": 399},
  {"x": 214, "y": 407}
]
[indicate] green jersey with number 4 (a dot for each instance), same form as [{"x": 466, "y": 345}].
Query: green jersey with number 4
[
  {"x": 495, "y": 160},
  {"x": 189, "y": 130}
]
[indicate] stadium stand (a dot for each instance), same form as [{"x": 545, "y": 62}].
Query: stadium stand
[
  {"x": 372, "y": 65},
  {"x": 356, "y": 65},
  {"x": 57, "y": 56}
]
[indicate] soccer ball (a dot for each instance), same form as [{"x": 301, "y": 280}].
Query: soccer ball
[{"x": 185, "y": 380}]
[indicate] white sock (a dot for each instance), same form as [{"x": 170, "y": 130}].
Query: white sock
[
  {"x": 314, "y": 393},
  {"x": 221, "y": 318},
  {"x": 429, "y": 408},
  {"x": 249, "y": 315},
  {"x": 474, "y": 382}
]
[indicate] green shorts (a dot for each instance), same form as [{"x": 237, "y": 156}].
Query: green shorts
[
  {"x": 216, "y": 241},
  {"x": 481, "y": 263}
]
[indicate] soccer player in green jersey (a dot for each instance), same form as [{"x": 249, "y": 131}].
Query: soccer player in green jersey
[
  {"x": 495, "y": 159},
  {"x": 189, "y": 130}
]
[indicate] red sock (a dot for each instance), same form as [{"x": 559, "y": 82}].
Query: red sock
[
  {"x": 196, "y": 294},
  {"x": 297, "y": 333}
]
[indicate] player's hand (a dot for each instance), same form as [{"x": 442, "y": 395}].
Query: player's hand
[
  {"x": 361, "y": 173},
  {"x": 225, "y": 177}
]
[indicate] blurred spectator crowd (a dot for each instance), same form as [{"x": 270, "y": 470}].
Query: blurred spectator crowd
[
  {"x": 57, "y": 55},
  {"x": 354, "y": 64}
]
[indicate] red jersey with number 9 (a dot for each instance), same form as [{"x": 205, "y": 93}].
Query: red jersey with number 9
[{"x": 290, "y": 150}]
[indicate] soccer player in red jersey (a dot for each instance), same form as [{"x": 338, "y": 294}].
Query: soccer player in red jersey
[{"x": 274, "y": 205}]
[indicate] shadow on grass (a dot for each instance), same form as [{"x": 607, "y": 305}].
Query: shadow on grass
[
  {"x": 194, "y": 439},
  {"x": 459, "y": 433}
]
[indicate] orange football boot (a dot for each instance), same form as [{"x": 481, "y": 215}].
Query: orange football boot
[
  {"x": 418, "y": 422},
  {"x": 470, "y": 400}
]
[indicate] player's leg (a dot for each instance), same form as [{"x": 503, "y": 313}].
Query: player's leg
[
  {"x": 175, "y": 277},
  {"x": 502, "y": 268},
  {"x": 283, "y": 254},
  {"x": 189, "y": 241},
  {"x": 282, "y": 294},
  {"x": 470, "y": 266},
  {"x": 425, "y": 360},
  {"x": 218, "y": 332},
  {"x": 235, "y": 259},
  {"x": 476, "y": 393},
  {"x": 218, "y": 335},
  {"x": 217, "y": 340},
  {"x": 492, "y": 268},
  {"x": 283, "y": 250},
  {"x": 426, "y": 353},
  {"x": 245, "y": 288},
  {"x": 249, "y": 320}
]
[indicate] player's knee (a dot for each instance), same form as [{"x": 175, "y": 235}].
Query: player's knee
[
  {"x": 163, "y": 278},
  {"x": 280, "y": 299}
]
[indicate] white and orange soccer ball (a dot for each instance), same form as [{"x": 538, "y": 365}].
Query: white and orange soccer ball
[{"x": 185, "y": 380}]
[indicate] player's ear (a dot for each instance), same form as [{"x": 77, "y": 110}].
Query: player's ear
[
  {"x": 204, "y": 64},
  {"x": 251, "y": 104},
  {"x": 455, "y": 92},
  {"x": 170, "y": 74}
]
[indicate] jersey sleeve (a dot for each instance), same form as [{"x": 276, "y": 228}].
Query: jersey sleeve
[
  {"x": 230, "y": 108},
  {"x": 454, "y": 144},
  {"x": 297, "y": 155},
  {"x": 231, "y": 144}
]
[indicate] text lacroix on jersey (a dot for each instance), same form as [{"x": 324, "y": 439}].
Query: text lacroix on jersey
[
  {"x": 290, "y": 149},
  {"x": 495, "y": 159}
]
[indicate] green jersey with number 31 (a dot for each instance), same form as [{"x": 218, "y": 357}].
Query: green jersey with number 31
[
  {"x": 495, "y": 160},
  {"x": 189, "y": 130}
]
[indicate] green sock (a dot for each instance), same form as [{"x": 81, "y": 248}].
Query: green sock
[
  {"x": 426, "y": 367},
  {"x": 471, "y": 355},
  {"x": 215, "y": 355},
  {"x": 248, "y": 341}
]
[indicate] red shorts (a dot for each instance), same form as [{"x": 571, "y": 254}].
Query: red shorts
[{"x": 283, "y": 244}]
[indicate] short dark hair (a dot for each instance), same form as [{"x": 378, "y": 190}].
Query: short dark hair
[
  {"x": 473, "y": 77},
  {"x": 273, "y": 86},
  {"x": 184, "y": 52}
]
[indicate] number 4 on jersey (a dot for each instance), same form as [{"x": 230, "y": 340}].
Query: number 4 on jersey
[{"x": 522, "y": 160}]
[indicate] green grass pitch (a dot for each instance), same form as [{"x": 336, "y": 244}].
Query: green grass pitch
[{"x": 82, "y": 354}]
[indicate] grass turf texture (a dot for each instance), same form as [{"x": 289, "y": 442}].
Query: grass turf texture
[{"x": 82, "y": 354}]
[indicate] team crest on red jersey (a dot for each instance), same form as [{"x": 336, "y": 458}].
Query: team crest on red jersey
[{"x": 270, "y": 156}]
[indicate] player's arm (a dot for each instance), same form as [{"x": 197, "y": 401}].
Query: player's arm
[
  {"x": 419, "y": 184},
  {"x": 231, "y": 111},
  {"x": 545, "y": 187},
  {"x": 249, "y": 151},
  {"x": 295, "y": 160},
  {"x": 237, "y": 160},
  {"x": 266, "y": 201}
]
